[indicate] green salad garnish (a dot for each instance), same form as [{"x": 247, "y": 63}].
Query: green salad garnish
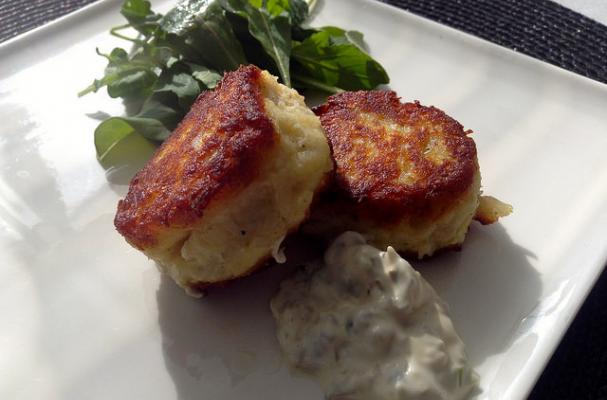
[{"x": 174, "y": 57}]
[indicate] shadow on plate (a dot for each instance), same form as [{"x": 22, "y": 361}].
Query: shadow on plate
[
  {"x": 214, "y": 344},
  {"x": 490, "y": 287}
]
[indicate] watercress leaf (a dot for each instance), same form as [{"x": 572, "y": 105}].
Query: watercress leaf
[
  {"x": 111, "y": 133},
  {"x": 140, "y": 16},
  {"x": 128, "y": 76},
  {"x": 108, "y": 134},
  {"x": 272, "y": 32},
  {"x": 200, "y": 31},
  {"x": 126, "y": 158},
  {"x": 116, "y": 68},
  {"x": 117, "y": 56},
  {"x": 303, "y": 81},
  {"x": 329, "y": 56},
  {"x": 333, "y": 34},
  {"x": 161, "y": 55},
  {"x": 299, "y": 34},
  {"x": 92, "y": 88},
  {"x": 274, "y": 7},
  {"x": 357, "y": 39},
  {"x": 298, "y": 9},
  {"x": 119, "y": 63},
  {"x": 171, "y": 61},
  {"x": 184, "y": 86},
  {"x": 186, "y": 51},
  {"x": 131, "y": 82},
  {"x": 149, "y": 128},
  {"x": 179, "y": 81},
  {"x": 136, "y": 9},
  {"x": 340, "y": 36},
  {"x": 148, "y": 57},
  {"x": 204, "y": 75},
  {"x": 254, "y": 51},
  {"x": 182, "y": 18},
  {"x": 164, "y": 108}
]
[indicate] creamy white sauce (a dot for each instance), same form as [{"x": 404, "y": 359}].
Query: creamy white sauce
[{"x": 367, "y": 326}]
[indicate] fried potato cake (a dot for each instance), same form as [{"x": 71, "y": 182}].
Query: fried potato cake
[
  {"x": 406, "y": 175},
  {"x": 237, "y": 175}
]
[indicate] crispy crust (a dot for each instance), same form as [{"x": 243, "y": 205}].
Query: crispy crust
[
  {"x": 395, "y": 160},
  {"x": 215, "y": 150}
]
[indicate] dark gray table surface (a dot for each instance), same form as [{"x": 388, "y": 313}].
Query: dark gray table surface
[{"x": 543, "y": 29}]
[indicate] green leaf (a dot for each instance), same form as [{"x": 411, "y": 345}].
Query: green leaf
[
  {"x": 183, "y": 85},
  {"x": 159, "y": 55},
  {"x": 300, "y": 34},
  {"x": 307, "y": 82},
  {"x": 272, "y": 31},
  {"x": 140, "y": 16},
  {"x": 119, "y": 145},
  {"x": 163, "y": 108},
  {"x": 330, "y": 56},
  {"x": 298, "y": 11},
  {"x": 275, "y": 7},
  {"x": 131, "y": 82},
  {"x": 182, "y": 18},
  {"x": 201, "y": 32},
  {"x": 117, "y": 56},
  {"x": 187, "y": 50},
  {"x": 136, "y": 9},
  {"x": 254, "y": 51},
  {"x": 178, "y": 80},
  {"x": 357, "y": 39},
  {"x": 111, "y": 132},
  {"x": 204, "y": 75},
  {"x": 124, "y": 76},
  {"x": 149, "y": 128}
]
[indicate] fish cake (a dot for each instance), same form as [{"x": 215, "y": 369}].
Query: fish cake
[
  {"x": 406, "y": 175},
  {"x": 234, "y": 178}
]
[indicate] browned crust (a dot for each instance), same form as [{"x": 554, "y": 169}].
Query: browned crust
[
  {"x": 216, "y": 150},
  {"x": 369, "y": 182}
]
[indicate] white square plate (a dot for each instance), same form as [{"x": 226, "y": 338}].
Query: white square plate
[{"x": 84, "y": 316}]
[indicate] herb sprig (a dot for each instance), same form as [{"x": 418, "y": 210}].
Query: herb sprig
[{"x": 174, "y": 57}]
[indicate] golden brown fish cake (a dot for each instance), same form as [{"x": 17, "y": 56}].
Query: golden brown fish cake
[
  {"x": 406, "y": 175},
  {"x": 237, "y": 174},
  {"x": 216, "y": 149}
]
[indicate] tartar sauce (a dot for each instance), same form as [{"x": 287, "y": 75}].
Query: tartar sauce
[{"x": 367, "y": 326}]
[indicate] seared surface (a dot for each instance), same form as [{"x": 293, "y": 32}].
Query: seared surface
[
  {"x": 396, "y": 160},
  {"x": 215, "y": 150},
  {"x": 236, "y": 176}
]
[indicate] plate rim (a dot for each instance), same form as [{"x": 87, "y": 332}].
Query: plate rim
[{"x": 536, "y": 364}]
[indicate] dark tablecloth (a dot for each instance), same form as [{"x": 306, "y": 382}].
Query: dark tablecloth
[{"x": 540, "y": 28}]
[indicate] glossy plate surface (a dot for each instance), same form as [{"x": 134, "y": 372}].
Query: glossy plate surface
[{"x": 84, "y": 316}]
